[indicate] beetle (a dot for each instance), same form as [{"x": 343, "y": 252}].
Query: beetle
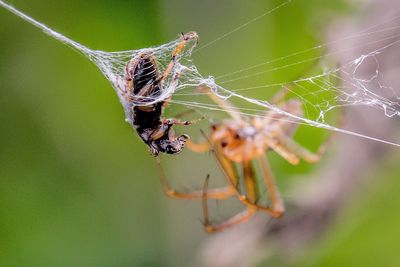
[{"x": 143, "y": 84}]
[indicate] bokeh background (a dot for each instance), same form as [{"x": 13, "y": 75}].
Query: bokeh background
[{"x": 78, "y": 187}]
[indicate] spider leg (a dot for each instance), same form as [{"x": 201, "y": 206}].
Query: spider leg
[
  {"x": 283, "y": 151},
  {"x": 230, "y": 173},
  {"x": 283, "y": 143},
  {"x": 292, "y": 106},
  {"x": 236, "y": 219},
  {"x": 216, "y": 193},
  {"x": 198, "y": 147},
  {"x": 273, "y": 192},
  {"x": 224, "y": 104},
  {"x": 251, "y": 185},
  {"x": 292, "y": 147},
  {"x": 282, "y": 121},
  {"x": 280, "y": 96},
  {"x": 228, "y": 169},
  {"x": 276, "y": 209}
]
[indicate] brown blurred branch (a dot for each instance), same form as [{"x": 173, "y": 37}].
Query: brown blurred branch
[{"x": 317, "y": 201}]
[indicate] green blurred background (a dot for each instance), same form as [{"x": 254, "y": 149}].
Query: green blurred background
[{"x": 78, "y": 187}]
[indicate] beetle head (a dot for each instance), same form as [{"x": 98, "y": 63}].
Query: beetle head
[{"x": 173, "y": 145}]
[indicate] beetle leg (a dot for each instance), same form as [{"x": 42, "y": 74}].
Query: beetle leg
[
  {"x": 166, "y": 127},
  {"x": 178, "y": 49},
  {"x": 129, "y": 68},
  {"x": 179, "y": 122},
  {"x": 160, "y": 131},
  {"x": 144, "y": 93}
]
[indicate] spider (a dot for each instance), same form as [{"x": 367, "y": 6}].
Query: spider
[
  {"x": 241, "y": 142},
  {"x": 144, "y": 83}
]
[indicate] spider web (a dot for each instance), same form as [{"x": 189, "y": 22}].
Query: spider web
[{"x": 321, "y": 92}]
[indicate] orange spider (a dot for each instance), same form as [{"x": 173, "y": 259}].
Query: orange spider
[{"x": 240, "y": 141}]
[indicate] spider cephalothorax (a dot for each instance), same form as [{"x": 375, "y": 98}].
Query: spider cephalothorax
[{"x": 238, "y": 141}]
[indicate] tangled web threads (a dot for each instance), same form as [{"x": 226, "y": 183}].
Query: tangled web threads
[{"x": 335, "y": 88}]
